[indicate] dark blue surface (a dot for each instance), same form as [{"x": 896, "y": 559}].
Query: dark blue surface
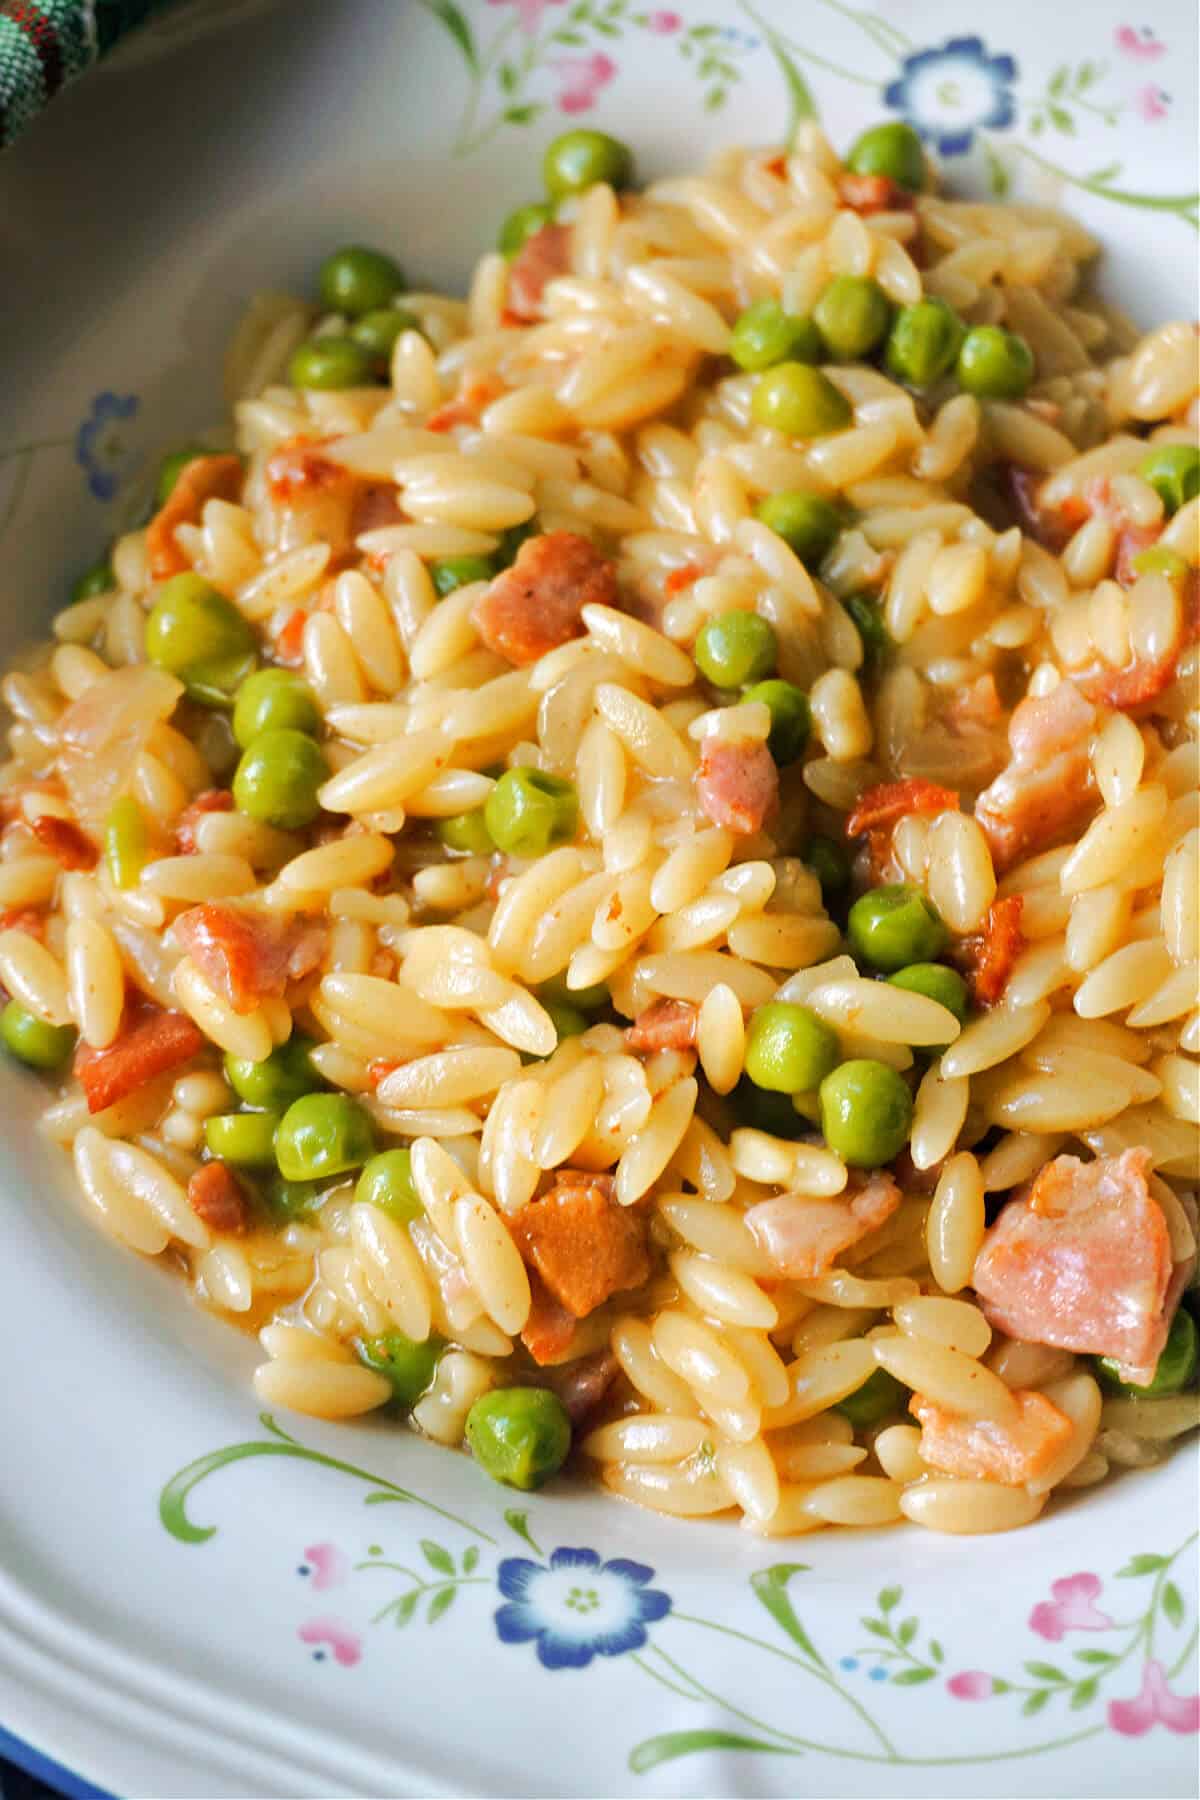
[{"x": 25, "y": 1774}]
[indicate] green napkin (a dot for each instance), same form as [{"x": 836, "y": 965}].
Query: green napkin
[{"x": 46, "y": 43}]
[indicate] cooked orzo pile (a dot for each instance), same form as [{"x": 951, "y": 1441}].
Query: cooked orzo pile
[{"x": 620, "y": 875}]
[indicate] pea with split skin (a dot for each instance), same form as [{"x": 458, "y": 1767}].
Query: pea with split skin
[
  {"x": 278, "y": 777},
  {"x": 322, "y": 1135},
  {"x": 357, "y": 280},
  {"x": 894, "y": 925},
  {"x": 866, "y": 1112},
  {"x": 126, "y": 842},
  {"x": 1173, "y": 471},
  {"x": 734, "y": 648},
  {"x": 519, "y": 1436},
  {"x": 764, "y": 335},
  {"x": 408, "y": 1365},
  {"x": 800, "y": 402},
  {"x": 877, "y": 1399},
  {"x": 529, "y": 812},
  {"x": 867, "y": 614},
  {"x": 466, "y": 831}
]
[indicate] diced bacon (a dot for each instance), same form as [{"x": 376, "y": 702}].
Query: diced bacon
[
  {"x": 664, "y": 1025},
  {"x": 380, "y": 1069},
  {"x": 581, "y": 1242},
  {"x": 149, "y": 1044},
  {"x": 64, "y": 841},
  {"x": 549, "y": 1330},
  {"x": 1052, "y": 529},
  {"x": 977, "y": 706},
  {"x": 297, "y": 468},
  {"x": 989, "y": 1450},
  {"x": 684, "y": 577},
  {"x": 245, "y": 956},
  {"x": 475, "y": 394},
  {"x": 1047, "y": 787},
  {"x": 212, "y": 800},
  {"x": 891, "y": 801},
  {"x": 582, "y": 1385},
  {"x": 867, "y": 194},
  {"x": 1127, "y": 689},
  {"x": 23, "y": 918},
  {"x": 1131, "y": 541},
  {"x": 737, "y": 784},
  {"x": 991, "y": 953},
  {"x": 204, "y": 478},
  {"x": 1081, "y": 1259},
  {"x": 375, "y": 506},
  {"x": 536, "y": 605},
  {"x": 803, "y": 1238},
  {"x": 216, "y": 1195},
  {"x": 289, "y": 639},
  {"x": 544, "y": 254}
]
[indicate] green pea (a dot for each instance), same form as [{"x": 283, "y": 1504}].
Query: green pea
[
  {"x": 456, "y": 571},
  {"x": 762, "y": 1109},
  {"x": 1173, "y": 471},
  {"x": 867, "y": 614},
  {"x": 99, "y": 579},
  {"x": 1174, "y": 1371},
  {"x": 830, "y": 864},
  {"x": 279, "y": 1079},
  {"x": 291, "y": 1200},
  {"x": 377, "y": 331},
  {"x": 555, "y": 992},
  {"x": 322, "y": 1135},
  {"x": 32, "y": 1041},
  {"x": 511, "y": 540},
  {"x": 126, "y": 842},
  {"x": 892, "y": 926},
  {"x": 357, "y": 280},
  {"x": 807, "y": 522},
  {"x": 1158, "y": 560},
  {"x": 924, "y": 342},
  {"x": 579, "y": 159},
  {"x": 799, "y": 401},
  {"x": 273, "y": 700},
  {"x": 791, "y": 720},
  {"x": 936, "y": 982},
  {"x": 735, "y": 647},
  {"x": 893, "y": 149},
  {"x": 789, "y": 1049},
  {"x": 529, "y": 812},
  {"x": 409, "y": 1366},
  {"x": 879, "y": 1396},
  {"x": 995, "y": 364},
  {"x": 764, "y": 335},
  {"x": 522, "y": 224},
  {"x": 330, "y": 361},
  {"x": 171, "y": 468},
  {"x": 277, "y": 779},
  {"x": 852, "y": 314},
  {"x": 244, "y": 1138},
  {"x": 519, "y": 1435},
  {"x": 466, "y": 831},
  {"x": 387, "y": 1182},
  {"x": 568, "y": 1021},
  {"x": 866, "y": 1111},
  {"x": 197, "y": 634}
]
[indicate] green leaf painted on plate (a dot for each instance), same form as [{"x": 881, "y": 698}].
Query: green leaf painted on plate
[
  {"x": 876, "y": 1627},
  {"x": 1097, "y": 1657},
  {"x": 907, "y": 1632},
  {"x": 442, "y": 1601},
  {"x": 405, "y": 1608},
  {"x": 770, "y": 1587},
  {"x": 888, "y": 1597},
  {"x": 673, "y": 1744},
  {"x": 455, "y": 22},
  {"x": 1061, "y": 120},
  {"x": 470, "y": 1558},
  {"x": 436, "y": 1557},
  {"x": 1084, "y": 1693},
  {"x": 1035, "y": 1702},
  {"x": 936, "y": 1651},
  {"x": 1045, "y": 1672},
  {"x": 913, "y": 1677},
  {"x": 1172, "y": 1603},
  {"x": 519, "y": 1522},
  {"x": 523, "y": 115},
  {"x": 1144, "y": 1564},
  {"x": 1059, "y": 79}
]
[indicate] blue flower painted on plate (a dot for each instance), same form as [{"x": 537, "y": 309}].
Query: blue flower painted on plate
[
  {"x": 576, "y": 1607},
  {"x": 102, "y": 447},
  {"x": 949, "y": 93}
]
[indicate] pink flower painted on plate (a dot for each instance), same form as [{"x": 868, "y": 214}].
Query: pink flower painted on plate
[
  {"x": 664, "y": 22},
  {"x": 972, "y": 1684},
  {"x": 326, "y": 1564},
  {"x": 583, "y": 77},
  {"x": 1071, "y": 1608},
  {"x": 1138, "y": 42},
  {"x": 1151, "y": 103},
  {"x": 1155, "y": 1705},
  {"x": 345, "y": 1644},
  {"x": 528, "y": 11}
]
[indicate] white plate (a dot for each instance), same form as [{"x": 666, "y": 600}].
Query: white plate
[{"x": 193, "y": 1602}]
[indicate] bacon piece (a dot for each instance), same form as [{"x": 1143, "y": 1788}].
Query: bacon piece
[
  {"x": 151, "y": 1043},
  {"x": 375, "y": 505},
  {"x": 476, "y": 392},
  {"x": 64, "y": 841},
  {"x": 1053, "y": 530},
  {"x": 1081, "y": 1259},
  {"x": 1134, "y": 686},
  {"x": 536, "y": 605},
  {"x": 867, "y": 194},
  {"x": 212, "y": 800},
  {"x": 550, "y": 1328},
  {"x": 891, "y": 801},
  {"x": 216, "y": 1195},
  {"x": 803, "y": 1238},
  {"x": 664, "y": 1025},
  {"x": 582, "y": 1385},
  {"x": 24, "y": 918},
  {"x": 380, "y": 1069},
  {"x": 544, "y": 254},
  {"x": 582, "y": 1244},
  {"x": 986, "y": 1449},
  {"x": 289, "y": 640},
  {"x": 204, "y": 478},
  {"x": 989, "y": 955},
  {"x": 737, "y": 784},
  {"x": 297, "y": 468},
  {"x": 977, "y": 706},
  {"x": 1131, "y": 541},
  {"x": 1046, "y": 788},
  {"x": 684, "y": 577},
  {"x": 247, "y": 956}
]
